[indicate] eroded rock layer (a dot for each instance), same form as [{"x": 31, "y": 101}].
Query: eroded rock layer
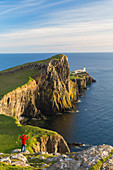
[{"x": 51, "y": 144}]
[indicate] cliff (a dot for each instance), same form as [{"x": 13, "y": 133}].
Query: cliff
[
  {"x": 48, "y": 91},
  {"x": 51, "y": 144}
]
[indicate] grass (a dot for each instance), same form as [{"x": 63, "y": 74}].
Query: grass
[
  {"x": 12, "y": 81},
  {"x": 78, "y": 75},
  {"x": 9, "y": 82},
  {"x": 4, "y": 166},
  {"x": 75, "y": 77},
  {"x": 10, "y": 131}
]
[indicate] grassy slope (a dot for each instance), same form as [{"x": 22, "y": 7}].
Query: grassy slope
[
  {"x": 78, "y": 75},
  {"x": 11, "y": 81},
  {"x": 10, "y": 132}
]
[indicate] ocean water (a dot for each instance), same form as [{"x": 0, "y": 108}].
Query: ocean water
[{"x": 93, "y": 123}]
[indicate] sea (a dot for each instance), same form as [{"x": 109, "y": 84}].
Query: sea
[{"x": 92, "y": 124}]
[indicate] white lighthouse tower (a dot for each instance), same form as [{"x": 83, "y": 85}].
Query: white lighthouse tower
[{"x": 84, "y": 70}]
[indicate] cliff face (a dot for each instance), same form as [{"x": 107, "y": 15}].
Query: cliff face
[
  {"x": 51, "y": 144},
  {"x": 15, "y": 102},
  {"x": 54, "y": 88},
  {"x": 82, "y": 83}
]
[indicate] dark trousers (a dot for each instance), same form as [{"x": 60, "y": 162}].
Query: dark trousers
[{"x": 23, "y": 146}]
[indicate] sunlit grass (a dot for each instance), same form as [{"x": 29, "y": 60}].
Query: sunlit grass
[{"x": 10, "y": 132}]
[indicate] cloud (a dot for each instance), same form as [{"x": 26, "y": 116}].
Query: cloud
[{"x": 85, "y": 28}]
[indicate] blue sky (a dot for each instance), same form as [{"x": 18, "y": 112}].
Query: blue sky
[{"x": 56, "y": 26}]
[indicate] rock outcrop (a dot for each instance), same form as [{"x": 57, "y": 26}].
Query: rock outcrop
[
  {"x": 51, "y": 144},
  {"x": 84, "y": 81},
  {"x": 94, "y": 158}
]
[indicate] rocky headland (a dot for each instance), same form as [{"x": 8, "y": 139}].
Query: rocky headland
[{"x": 50, "y": 89}]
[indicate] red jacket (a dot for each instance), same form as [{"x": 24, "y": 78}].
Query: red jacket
[{"x": 24, "y": 138}]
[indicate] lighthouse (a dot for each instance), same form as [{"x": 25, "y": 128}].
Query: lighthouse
[{"x": 84, "y": 70}]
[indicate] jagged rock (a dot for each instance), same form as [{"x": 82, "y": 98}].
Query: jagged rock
[
  {"x": 19, "y": 163},
  {"x": 70, "y": 164},
  {"x": 108, "y": 165},
  {"x": 16, "y": 151},
  {"x": 19, "y": 151},
  {"x": 52, "y": 159},
  {"x": 51, "y": 144},
  {"x": 19, "y": 157},
  {"x": 6, "y": 159},
  {"x": 83, "y": 160}
]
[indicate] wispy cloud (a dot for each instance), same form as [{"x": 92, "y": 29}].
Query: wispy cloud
[
  {"x": 6, "y": 9},
  {"x": 87, "y": 27}
]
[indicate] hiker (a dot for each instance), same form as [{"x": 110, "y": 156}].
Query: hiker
[{"x": 23, "y": 138}]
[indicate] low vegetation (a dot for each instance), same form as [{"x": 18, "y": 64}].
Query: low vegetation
[
  {"x": 4, "y": 166},
  {"x": 77, "y": 75},
  {"x": 10, "y": 131}
]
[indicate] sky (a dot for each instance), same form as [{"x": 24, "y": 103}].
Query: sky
[{"x": 42, "y": 26}]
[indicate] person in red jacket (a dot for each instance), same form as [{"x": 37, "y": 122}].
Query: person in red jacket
[{"x": 23, "y": 138}]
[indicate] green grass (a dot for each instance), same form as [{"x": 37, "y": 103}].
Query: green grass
[
  {"x": 10, "y": 132},
  {"x": 12, "y": 81},
  {"x": 75, "y": 77},
  {"x": 9, "y": 82},
  {"x": 78, "y": 75},
  {"x": 4, "y": 166}
]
